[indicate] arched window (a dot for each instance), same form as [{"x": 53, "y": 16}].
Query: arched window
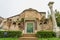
[
  {"x": 14, "y": 23},
  {"x": 40, "y": 23},
  {"x": 19, "y": 23},
  {"x": 45, "y": 21}
]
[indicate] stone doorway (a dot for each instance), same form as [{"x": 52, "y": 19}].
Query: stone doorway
[{"x": 29, "y": 27}]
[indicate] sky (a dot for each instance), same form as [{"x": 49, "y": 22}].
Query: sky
[{"x": 10, "y": 8}]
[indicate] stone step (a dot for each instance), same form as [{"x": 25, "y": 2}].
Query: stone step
[
  {"x": 28, "y": 38},
  {"x": 29, "y": 35}
]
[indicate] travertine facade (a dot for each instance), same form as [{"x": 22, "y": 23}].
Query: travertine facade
[
  {"x": 1, "y": 19},
  {"x": 29, "y": 21}
]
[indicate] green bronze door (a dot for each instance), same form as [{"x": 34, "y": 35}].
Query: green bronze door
[{"x": 30, "y": 27}]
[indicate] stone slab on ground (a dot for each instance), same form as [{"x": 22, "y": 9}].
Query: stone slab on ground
[{"x": 28, "y": 37}]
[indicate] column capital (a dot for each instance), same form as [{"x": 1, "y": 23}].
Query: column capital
[{"x": 50, "y": 4}]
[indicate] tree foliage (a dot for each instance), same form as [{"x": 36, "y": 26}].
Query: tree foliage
[{"x": 57, "y": 14}]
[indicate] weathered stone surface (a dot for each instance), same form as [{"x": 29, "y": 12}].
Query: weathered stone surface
[
  {"x": 30, "y": 15},
  {"x": 28, "y": 37}
]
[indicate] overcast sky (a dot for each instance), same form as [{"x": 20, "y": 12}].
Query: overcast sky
[{"x": 13, "y": 7}]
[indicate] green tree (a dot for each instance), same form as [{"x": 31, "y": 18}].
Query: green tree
[{"x": 57, "y": 14}]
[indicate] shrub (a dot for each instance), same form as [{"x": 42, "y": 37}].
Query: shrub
[
  {"x": 10, "y": 34},
  {"x": 45, "y": 34}
]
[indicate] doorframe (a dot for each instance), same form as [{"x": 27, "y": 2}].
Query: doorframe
[{"x": 26, "y": 27}]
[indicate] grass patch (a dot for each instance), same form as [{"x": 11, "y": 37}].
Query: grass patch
[
  {"x": 38, "y": 39},
  {"x": 8, "y": 38},
  {"x": 49, "y": 38}
]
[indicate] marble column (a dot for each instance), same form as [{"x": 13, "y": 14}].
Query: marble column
[{"x": 50, "y": 4}]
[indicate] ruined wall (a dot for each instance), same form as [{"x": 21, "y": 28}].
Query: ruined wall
[
  {"x": 16, "y": 22},
  {"x": 46, "y": 25}
]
